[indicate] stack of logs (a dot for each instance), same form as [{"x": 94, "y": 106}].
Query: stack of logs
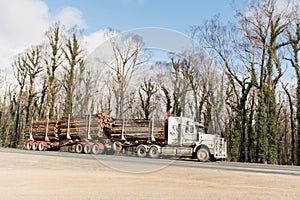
[
  {"x": 137, "y": 129},
  {"x": 79, "y": 126},
  {"x": 89, "y": 127},
  {"x": 38, "y": 129},
  {"x": 94, "y": 127}
]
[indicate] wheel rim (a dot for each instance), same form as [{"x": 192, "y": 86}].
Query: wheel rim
[{"x": 141, "y": 152}]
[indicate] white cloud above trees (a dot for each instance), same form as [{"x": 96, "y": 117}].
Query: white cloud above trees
[
  {"x": 70, "y": 17},
  {"x": 24, "y": 22}
]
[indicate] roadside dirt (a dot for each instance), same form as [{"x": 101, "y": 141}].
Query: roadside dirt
[{"x": 25, "y": 176}]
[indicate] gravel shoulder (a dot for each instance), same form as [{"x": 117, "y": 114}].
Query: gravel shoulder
[{"x": 26, "y": 176}]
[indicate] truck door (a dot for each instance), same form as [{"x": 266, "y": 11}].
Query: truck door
[{"x": 189, "y": 133}]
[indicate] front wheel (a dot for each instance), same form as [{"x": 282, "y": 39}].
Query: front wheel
[{"x": 203, "y": 154}]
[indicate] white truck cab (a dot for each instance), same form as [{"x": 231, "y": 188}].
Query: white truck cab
[{"x": 188, "y": 138}]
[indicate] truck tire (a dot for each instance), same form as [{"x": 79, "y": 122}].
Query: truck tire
[
  {"x": 95, "y": 149},
  {"x": 154, "y": 152},
  {"x": 203, "y": 154},
  {"x": 34, "y": 146},
  {"x": 28, "y": 146},
  {"x": 141, "y": 151},
  {"x": 117, "y": 147},
  {"x": 87, "y": 148},
  {"x": 79, "y": 148},
  {"x": 41, "y": 146}
]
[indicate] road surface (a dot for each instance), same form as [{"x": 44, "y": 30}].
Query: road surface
[{"x": 59, "y": 175}]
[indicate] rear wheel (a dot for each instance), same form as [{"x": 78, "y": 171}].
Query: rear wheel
[
  {"x": 117, "y": 147},
  {"x": 141, "y": 151},
  {"x": 41, "y": 146},
  {"x": 87, "y": 148},
  {"x": 28, "y": 146},
  {"x": 34, "y": 146},
  {"x": 154, "y": 152},
  {"x": 79, "y": 148},
  {"x": 203, "y": 155},
  {"x": 95, "y": 149}
]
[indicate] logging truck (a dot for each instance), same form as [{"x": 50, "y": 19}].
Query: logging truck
[{"x": 172, "y": 137}]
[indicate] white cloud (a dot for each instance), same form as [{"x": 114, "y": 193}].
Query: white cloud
[
  {"x": 95, "y": 39},
  {"x": 23, "y": 23},
  {"x": 70, "y": 17}
]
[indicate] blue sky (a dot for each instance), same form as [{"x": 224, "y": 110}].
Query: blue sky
[
  {"x": 128, "y": 14},
  {"x": 19, "y": 32}
]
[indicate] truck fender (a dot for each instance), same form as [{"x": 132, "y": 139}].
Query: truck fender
[{"x": 200, "y": 146}]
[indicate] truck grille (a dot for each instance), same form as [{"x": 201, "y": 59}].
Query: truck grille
[{"x": 220, "y": 148}]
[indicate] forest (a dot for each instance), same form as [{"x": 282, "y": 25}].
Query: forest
[{"x": 243, "y": 83}]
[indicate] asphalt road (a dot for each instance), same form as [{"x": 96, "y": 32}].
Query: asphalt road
[{"x": 133, "y": 164}]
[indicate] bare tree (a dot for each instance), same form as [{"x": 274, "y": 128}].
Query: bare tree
[
  {"x": 20, "y": 71},
  {"x": 294, "y": 39},
  {"x": 127, "y": 56},
  {"x": 146, "y": 93}
]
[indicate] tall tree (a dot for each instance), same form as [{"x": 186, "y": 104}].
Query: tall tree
[
  {"x": 127, "y": 56},
  {"x": 20, "y": 71},
  {"x": 266, "y": 25},
  {"x": 74, "y": 59},
  {"x": 54, "y": 59},
  {"x": 294, "y": 39},
  {"x": 34, "y": 67}
]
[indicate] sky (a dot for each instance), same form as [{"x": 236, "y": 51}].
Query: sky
[
  {"x": 129, "y": 14},
  {"x": 23, "y": 23}
]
